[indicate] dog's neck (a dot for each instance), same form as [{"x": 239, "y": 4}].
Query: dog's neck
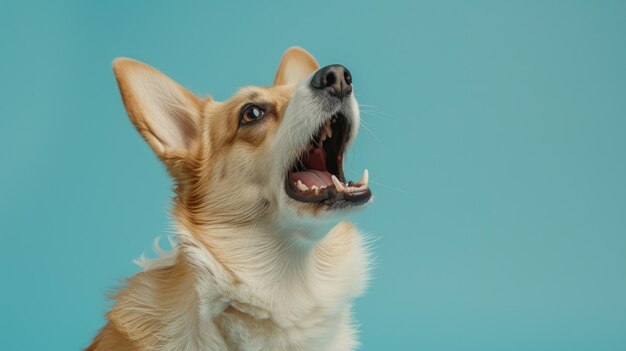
[
  {"x": 279, "y": 273},
  {"x": 245, "y": 280}
]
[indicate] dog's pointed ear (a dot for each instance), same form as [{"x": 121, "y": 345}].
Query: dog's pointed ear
[
  {"x": 166, "y": 115},
  {"x": 295, "y": 66}
]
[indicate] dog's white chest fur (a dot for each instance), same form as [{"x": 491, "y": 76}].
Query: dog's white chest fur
[
  {"x": 308, "y": 308},
  {"x": 303, "y": 307}
]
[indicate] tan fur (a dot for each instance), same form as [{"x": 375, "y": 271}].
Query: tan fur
[{"x": 239, "y": 278}]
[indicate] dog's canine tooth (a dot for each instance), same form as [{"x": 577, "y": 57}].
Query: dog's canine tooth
[
  {"x": 365, "y": 178},
  {"x": 329, "y": 130},
  {"x": 323, "y": 134},
  {"x": 337, "y": 183}
]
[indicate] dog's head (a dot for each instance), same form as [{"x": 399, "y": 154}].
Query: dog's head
[{"x": 267, "y": 152}]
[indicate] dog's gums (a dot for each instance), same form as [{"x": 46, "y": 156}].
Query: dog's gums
[{"x": 317, "y": 174}]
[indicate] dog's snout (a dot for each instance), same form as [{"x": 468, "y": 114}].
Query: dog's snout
[{"x": 336, "y": 78}]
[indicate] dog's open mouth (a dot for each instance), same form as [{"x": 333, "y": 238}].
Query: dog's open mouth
[{"x": 317, "y": 175}]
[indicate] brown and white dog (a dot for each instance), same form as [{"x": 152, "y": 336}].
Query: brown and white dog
[{"x": 263, "y": 260}]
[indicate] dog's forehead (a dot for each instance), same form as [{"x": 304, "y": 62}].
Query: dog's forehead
[{"x": 272, "y": 94}]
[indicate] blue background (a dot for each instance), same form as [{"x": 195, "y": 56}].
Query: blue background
[{"x": 494, "y": 132}]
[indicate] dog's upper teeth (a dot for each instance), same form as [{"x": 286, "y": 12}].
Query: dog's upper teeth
[{"x": 329, "y": 130}]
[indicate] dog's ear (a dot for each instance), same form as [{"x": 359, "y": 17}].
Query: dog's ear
[
  {"x": 166, "y": 115},
  {"x": 295, "y": 66}
]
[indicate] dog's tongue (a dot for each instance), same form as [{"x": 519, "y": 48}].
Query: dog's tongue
[
  {"x": 312, "y": 177},
  {"x": 316, "y": 174}
]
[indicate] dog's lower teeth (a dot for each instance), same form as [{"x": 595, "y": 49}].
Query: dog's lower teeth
[
  {"x": 337, "y": 183},
  {"x": 351, "y": 187},
  {"x": 301, "y": 186}
]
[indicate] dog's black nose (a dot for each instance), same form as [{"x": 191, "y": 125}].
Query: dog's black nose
[{"x": 336, "y": 78}]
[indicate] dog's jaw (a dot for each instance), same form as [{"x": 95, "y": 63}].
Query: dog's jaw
[{"x": 306, "y": 112}]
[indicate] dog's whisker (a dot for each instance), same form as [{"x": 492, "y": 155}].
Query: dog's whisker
[
  {"x": 374, "y": 114},
  {"x": 391, "y": 187},
  {"x": 369, "y": 130},
  {"x": 373, "y": 107}
]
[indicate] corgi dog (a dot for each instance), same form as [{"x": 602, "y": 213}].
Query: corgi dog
[{"x": 263, "y": 258}]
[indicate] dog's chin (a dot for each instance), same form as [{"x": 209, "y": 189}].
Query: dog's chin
[
  {"x": 316, "y": 182},
  {"x": 311, "y": 222}
]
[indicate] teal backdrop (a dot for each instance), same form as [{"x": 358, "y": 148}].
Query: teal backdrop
[{"x": 494, "y": 132}]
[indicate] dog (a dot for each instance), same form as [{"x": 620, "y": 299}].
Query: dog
[{"x": 263, "y": 257}]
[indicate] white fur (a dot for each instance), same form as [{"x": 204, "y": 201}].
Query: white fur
[{"x": 303, "y": 303}]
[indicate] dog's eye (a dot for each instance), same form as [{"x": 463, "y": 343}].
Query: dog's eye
[{"x": 251, "y": 113}]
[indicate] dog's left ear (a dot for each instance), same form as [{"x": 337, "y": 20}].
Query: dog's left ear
[
  {"x": 295, "y": 66},
  {"x": 166, "y": 115}
]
